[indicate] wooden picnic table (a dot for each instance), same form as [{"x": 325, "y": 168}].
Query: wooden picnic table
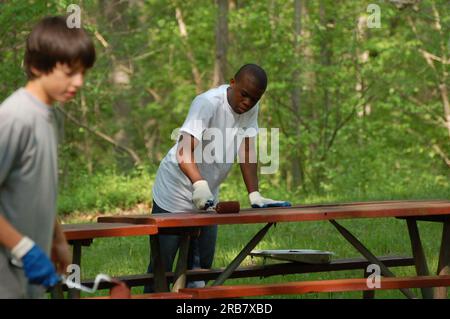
[{"x": 412, "y": 211}]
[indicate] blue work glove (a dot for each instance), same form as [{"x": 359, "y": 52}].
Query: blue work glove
[
  {"x": 37, "y": 266},
  {"x": 257, "y": 201}
]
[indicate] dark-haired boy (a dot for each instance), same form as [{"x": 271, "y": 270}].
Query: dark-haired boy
[
  {"x": 56, "y": 59},
  {"x": 187, "y": 181}
]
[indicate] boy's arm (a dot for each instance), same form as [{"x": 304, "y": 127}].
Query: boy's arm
[
  {"x": 9, "y": 236},
  {"x": 37, "y": 266},
  {"x": 185, "y": 157},
  {"x": 249, "y": 169},
  {"x": 60, "y": 249},
  {"x": 248, "y": 164},
  {"x": 201, "y": 196}
]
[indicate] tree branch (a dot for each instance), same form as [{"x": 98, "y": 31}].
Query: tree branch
[{"x": 103, "y": 136}]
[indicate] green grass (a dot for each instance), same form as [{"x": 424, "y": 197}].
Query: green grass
[
  {"x": 112, "y": 193},
  {"x": 130, "y": 255}
]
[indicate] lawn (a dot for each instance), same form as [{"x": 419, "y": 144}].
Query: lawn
[{"x": 130, "y": 255}]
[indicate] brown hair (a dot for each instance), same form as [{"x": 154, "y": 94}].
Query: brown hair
[{"x": 52, "y": 41}]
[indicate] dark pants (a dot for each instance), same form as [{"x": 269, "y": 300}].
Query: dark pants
[{"x": 201, "y": 250}]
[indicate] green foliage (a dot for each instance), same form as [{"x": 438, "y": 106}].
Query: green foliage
[
  {"x": 369, "y": 122},
  {"x": 106, "y": 192}
]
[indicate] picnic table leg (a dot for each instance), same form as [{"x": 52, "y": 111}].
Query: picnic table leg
[
  {"x": 241, "y": 256},
  {"x": 444, "y": 259},
  {"x": 159, "y": 273},
  {"x": 368, "y": 255},
  {"x": 57, "y": 292},
  {"x": 180, "y": 271},
  {"x": 419, "y": 255}
]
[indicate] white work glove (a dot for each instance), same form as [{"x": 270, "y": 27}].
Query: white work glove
[
  {"x": 257, "y": 201},
  {"x": 202, "y": 195}
]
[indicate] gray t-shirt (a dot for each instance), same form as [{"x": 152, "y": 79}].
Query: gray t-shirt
[{"x": 28, "y": 181}]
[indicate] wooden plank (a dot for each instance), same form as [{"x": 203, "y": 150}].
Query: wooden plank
[
  {"x": 97, "y": 230},
  {"x": 290, "y": 214},
  {"x": 304, "y": 287},
  {"x": 285, "y": 268},
  {"x": 156, "y": 295}
]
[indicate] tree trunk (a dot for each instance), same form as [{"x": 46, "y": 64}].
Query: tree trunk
[
  {"x": 325, "y": 57},
  {"x": 442, "y": 77},
  {"x": 114, "y": 12},
  {"x": 297, "y": 174},
  {"x": 444, "y": 73},
  {"x": 87, "y": 141},
  {"x": 220, "y": 66},
  {"x": 189, "y": 52},
  {"x": 360, "y": 58}
]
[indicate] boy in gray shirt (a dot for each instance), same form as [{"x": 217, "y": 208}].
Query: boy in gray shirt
[{"x": 56, "y": 58}]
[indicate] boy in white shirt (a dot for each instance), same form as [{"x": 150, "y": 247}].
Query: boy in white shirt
[{"x": 189, "y": 177}]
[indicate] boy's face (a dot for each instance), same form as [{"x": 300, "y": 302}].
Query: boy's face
[
  {"x": 62, "y": 83},
  {"x": 244, "y": 94}
]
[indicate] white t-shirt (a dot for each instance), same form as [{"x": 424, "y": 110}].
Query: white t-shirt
[{"x": 220, "y": 131}]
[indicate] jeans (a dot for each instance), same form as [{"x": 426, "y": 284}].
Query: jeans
[{"x": 201, "y": 250}]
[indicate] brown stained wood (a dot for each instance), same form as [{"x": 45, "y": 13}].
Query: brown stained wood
[
  {"x": 156, "y": 295},
  {"x": 290, "y": 214},
  {"x": 304, "y": 287},
  {"x": 264, "y": 271},
  {"x": 97, "y": 230}
]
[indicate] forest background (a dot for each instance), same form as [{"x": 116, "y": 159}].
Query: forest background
[{"x": 358, "y": 90}]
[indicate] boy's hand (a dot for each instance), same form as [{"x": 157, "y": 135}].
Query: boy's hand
[
  {"x": 201, "y": 194},
  {"x": 257, "y": 201},
  {"x": 37, "y": 266}
]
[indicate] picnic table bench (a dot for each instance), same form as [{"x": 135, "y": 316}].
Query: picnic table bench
[
  {"x": 317, "y": 286},
  {"x": 79, "y": 235},
  {"x": 263, "y": 271}
]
